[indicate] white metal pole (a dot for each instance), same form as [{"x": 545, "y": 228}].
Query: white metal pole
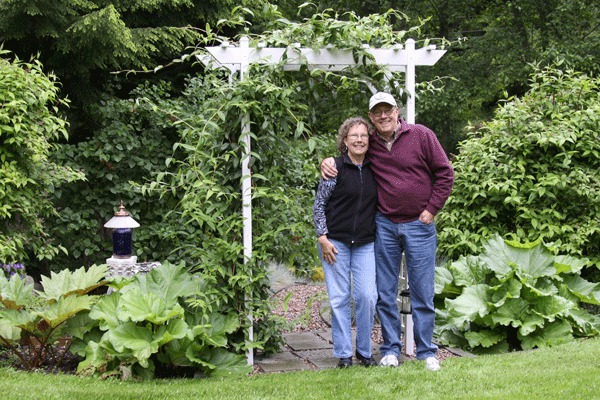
[
  {"x": 247, "y": 202},
  {"x": 409, "y": 339},
  {"x": 410, "y": 81}
]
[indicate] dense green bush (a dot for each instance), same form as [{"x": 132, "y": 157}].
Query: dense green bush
[
  {"x": 129, "y": 149},
  {"x": 514, "y": 296},
  {"x": 29, "y": 124},
  {"x": 533, "y": 171}
]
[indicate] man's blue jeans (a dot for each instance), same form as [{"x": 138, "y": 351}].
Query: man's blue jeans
[
  {"x": 418, "y": 242},
  {"x": 353, "y": 273}
]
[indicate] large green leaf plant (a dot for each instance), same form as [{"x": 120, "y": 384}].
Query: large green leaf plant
[
  {"x": 33, "y": 323},
  {"x": 165, "y": 319},
  {"x": 514, "y": 296}
]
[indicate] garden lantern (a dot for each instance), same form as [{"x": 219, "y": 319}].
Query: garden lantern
[
  {"x": 121, "y": 224},
  {"x": 405, "y": 307}
]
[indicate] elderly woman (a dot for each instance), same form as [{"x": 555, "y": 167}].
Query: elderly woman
[{"x": 344, "y": 217}]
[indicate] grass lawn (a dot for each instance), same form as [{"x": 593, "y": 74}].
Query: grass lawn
[{"x": 570, "y": 371}]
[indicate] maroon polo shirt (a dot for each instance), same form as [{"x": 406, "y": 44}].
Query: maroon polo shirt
[{"x": 413, "y": 176}]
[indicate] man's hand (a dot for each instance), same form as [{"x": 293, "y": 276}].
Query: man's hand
[
  {"x": 327, "y": 249},
  {"x": 426, "y": 217},
  {"x": 328, "y": 169}
]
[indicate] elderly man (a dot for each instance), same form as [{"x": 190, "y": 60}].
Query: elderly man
[{"x": 414, "y": 179}]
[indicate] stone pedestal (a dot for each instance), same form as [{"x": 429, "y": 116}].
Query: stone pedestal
[
  {"x": 128, "y": 267},
  {"x": 122, "y": 266}
]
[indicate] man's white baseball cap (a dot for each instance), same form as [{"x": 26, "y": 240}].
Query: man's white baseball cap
[{"x": 381, "y": 97}]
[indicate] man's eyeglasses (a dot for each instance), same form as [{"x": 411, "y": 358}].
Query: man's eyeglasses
[{"x": 380, "y": 112}]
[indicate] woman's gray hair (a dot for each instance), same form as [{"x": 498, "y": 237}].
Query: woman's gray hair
[{"x": 345, "y": 128}]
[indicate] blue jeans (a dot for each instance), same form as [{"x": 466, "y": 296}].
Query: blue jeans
[
  {"x": 355, "y": 264},
  {"x": 418, "y": 242}
]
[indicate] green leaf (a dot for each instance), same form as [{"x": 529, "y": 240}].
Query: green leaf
[
  {"x": 473, "y": 302},
  {"x": 443, "y": 281},
  {"x": 133, "y": 339},
  {"x": 11, "y": 322},
  {"x": 551, "y": 307},
  {"x": 215, "y": 330},
  {"x": 220, "y": 362},
  {"x": 569, "y": 264},
  {"x": 173, "y": 329},
  {"x": 469, "y": 270},
  {"x": 529, "y": 261},
  {"x": 63, "y": 309},
  {"x": 78, "y": 282},
  {"x": 136, "y": 305},
  {"x": 553, "y": 334},
  {"x": 509, "y": 289},
  {"x": 516, "y": 313},
  {"x": 16, "y": 292},
  {"x": 169, "y": 282},
  {"x": 484, "y": 338},
  {"x": 587, "y": 292},
  {"x": 20, "y": 320},
  {"x": 9, "y": 332},
  {"x": 585, "y": 323},
  {"x": 105, "y": 312},
  {"x": 80, "y": 324},
  {"x": 542, "y": 287}
]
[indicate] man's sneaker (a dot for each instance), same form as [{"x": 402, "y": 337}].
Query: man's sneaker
[
  {"x": 366, "y": 361},
  {"x": 432, "y": 364},
  {"x": 390, "y": 360}
]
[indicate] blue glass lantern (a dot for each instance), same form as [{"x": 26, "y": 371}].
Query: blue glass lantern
[{"x": 121, "y": 224}]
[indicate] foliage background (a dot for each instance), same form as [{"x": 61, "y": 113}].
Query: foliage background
[{"x": 151, "y": 126}]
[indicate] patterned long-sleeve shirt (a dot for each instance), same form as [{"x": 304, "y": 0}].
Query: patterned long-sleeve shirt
[{"x": 324, "y": 191}]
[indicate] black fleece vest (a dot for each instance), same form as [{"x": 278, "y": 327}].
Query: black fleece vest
[{"x": 350, "y": 210}]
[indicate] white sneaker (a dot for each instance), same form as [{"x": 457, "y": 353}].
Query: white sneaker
[
  {"x": 389, "y": 361},
  {"x": 432, "y": 364}
]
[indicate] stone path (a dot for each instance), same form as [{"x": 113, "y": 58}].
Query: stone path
[{"x": 305, "y": 351}]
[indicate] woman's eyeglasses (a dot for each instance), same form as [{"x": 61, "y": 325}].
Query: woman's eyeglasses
[{"x": 354, "y": 136}]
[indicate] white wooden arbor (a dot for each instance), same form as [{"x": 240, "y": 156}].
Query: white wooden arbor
[{"x": 239, "y": 58}]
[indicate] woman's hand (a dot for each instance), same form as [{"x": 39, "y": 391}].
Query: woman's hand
[{"x": 327, "y": 249}]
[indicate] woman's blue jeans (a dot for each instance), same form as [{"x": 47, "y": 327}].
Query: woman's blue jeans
[
  {"x": 418, "y": 242},
  {"x": 352, "y": 274}
]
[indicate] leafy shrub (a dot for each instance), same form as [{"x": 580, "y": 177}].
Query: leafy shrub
[
  {"x": 29, "y": 123},
  {"x": 531, "y": 171},
  {"x": 167, "y": 318},
  {"x": 32, "y": 322},
  {"x": 514, "y": 296}
]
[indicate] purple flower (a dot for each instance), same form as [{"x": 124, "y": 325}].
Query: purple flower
[{"x": 13, "y": 269}]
